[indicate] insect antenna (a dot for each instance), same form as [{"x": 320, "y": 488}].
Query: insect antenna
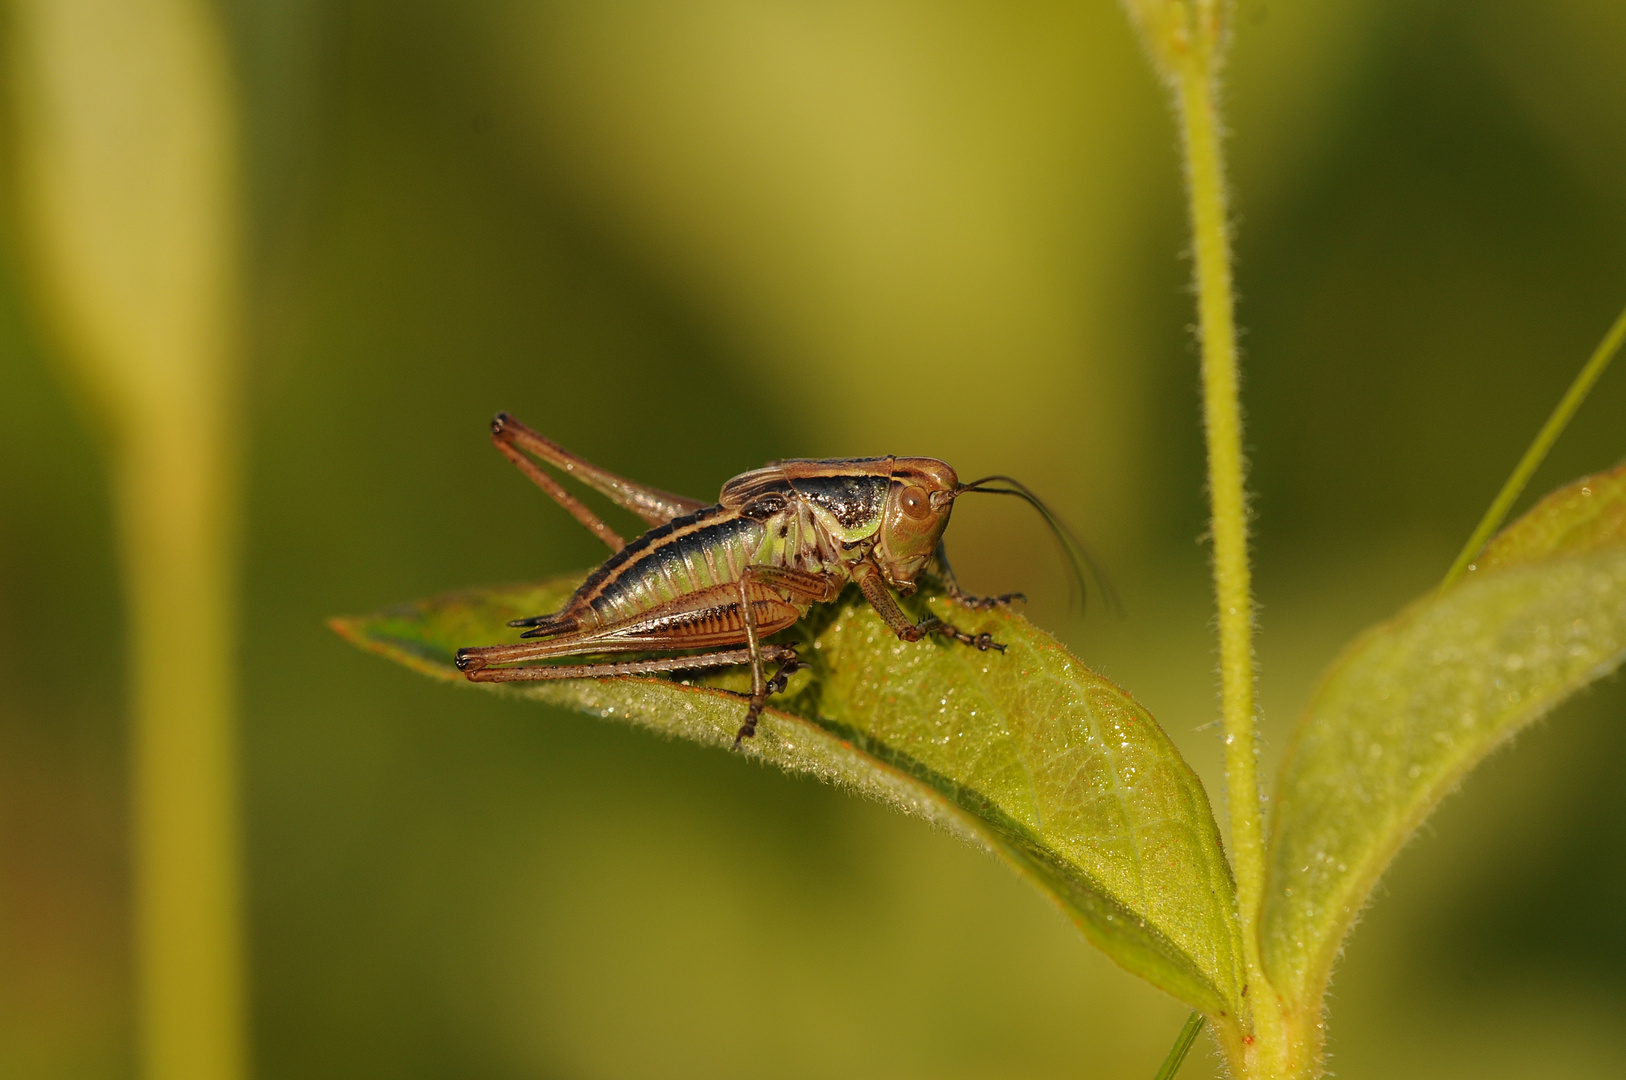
[{"x": 1077, "y": 553}]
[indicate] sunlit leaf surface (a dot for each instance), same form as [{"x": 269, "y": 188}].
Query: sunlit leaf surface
[
  {"x": 1027, "y": 753},
  {"x": 1416, "y": 702}
]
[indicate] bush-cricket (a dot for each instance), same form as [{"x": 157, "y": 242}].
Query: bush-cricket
[{"x": 719, "y": 579}]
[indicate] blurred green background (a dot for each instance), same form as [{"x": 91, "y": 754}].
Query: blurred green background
[{"x": 686, "y": 239}]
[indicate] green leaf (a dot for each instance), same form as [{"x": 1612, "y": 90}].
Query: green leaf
[
  {"x": 1026, "y": 753},
  {"x": 1416, "y": 702},
  {"x": 1588, "y": 515}
]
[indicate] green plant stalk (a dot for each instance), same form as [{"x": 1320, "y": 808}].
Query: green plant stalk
[
  {"x": 124, "y": 148},
  {"x": 1543, "y": 442},
  {"x": 1223, "y": 424},
  {"x": 1265, "y": 1051},
  {"x": 1182, "y": 1046},
  {"x": 175, "y": 493}
]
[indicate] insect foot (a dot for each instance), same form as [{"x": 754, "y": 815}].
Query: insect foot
[
  {"x": 749, "y": 728},
  {"x": 982, "y": 642},
  {"x": 467, "y": 661},
  {"x": 934, "y": 625},
  {"x": 776, "y": 685},
  {"x": 987, "y": 603}
]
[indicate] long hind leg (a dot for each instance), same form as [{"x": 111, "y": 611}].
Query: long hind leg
[
  {"x": 472, "y": 663},
  {"x": 655, "y": 506}
]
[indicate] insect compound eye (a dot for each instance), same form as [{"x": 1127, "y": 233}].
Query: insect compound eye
[{"x": 915, "y": 502}]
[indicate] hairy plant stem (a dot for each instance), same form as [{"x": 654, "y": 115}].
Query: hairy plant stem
[{"x": 1195, "y": 84}]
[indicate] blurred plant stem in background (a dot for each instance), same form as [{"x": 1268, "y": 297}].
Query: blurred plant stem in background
[{"x": 126, "y": 135}]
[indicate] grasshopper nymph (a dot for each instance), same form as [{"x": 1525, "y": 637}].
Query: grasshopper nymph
[{"x": 720, "y": 579}]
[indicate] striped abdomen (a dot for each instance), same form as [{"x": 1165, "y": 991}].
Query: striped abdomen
[{"x": 686, "y": 556}]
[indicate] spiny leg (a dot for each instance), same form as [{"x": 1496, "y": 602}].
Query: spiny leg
[
  {"x": 504, "y": 438},
  {"x": 472, "y": 664},
  {"x": 776, "y": 685},
  {"x": 951, "y": 586},
  {"x": 759, "y": 685},
  {"x": 814, "y": 587},
  {"x": 765, "y": 600},
  {"x": 875, "y": 590},
  {"x": 655, "y": 506}
]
